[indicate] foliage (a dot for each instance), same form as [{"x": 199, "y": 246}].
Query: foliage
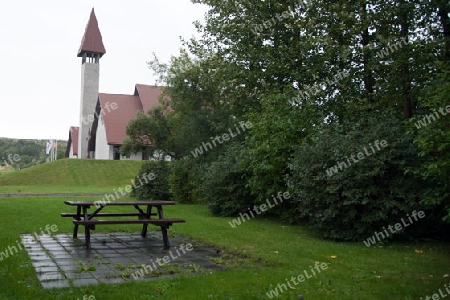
[
  {"x": 224, "y": 185},
  {"x": 199, "y": 101},
  {"x": 184, "y": 180},
  {"x": 27, "y": 152},
  {"x": 156, "y": 189},
  {"x": 363, "y": 195},
  {"x": 276, "y": 130},
  {"x": 431, "y": 132},
  {"x": 147, "y": 129},
  {"x": 297, "y": 71}
]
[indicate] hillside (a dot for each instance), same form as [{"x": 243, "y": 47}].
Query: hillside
[
  {"x": 72, "y": 174},
  {"x": 28, "y": 152}
]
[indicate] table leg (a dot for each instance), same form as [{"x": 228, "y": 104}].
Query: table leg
[
  {"x": 165, "y": 237},
  {"x": 163, "y": 228},
  {"x": 160, "y": 212},
  {"x": 78, "y": 217},
  {"x": 87, "y": 233},
  {"x": 148, "y": 216}
]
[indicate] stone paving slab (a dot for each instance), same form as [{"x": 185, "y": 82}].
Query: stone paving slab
[{"x": 61, "y": 261}]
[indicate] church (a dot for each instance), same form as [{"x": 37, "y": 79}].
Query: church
[{"x": 104, "y": 117}]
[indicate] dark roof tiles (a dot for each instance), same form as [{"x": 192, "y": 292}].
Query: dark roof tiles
[
  {"x": 74, "y": 138},
  {"x": 117, "y": 111},
  {"x": 121, "y": 109},
  {"x": 149, "y": 96},
  {"x": 92, "y": 40}
]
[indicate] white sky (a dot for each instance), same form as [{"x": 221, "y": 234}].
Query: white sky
[{"x": 40, "y": 73}]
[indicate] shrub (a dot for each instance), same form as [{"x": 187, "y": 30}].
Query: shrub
[
  {"x": 364, "y": 196},
  {"x": 184, "y": 181},
  {"x": 431, "y": 132},
  {"x": 156, "y": 189},
  {"x": 224, "y": 185}
]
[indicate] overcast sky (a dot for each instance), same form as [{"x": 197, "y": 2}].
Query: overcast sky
[{"x": 41, "y": 74}]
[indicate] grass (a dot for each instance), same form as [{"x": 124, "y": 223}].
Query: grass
[
  {"x": 49, "y": 189},
  {"x": 354, "y": 271},
  {"x": 71, "y": 176},
  {"x": 5, "y": 170}
]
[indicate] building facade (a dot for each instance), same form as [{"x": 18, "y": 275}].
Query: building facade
[{"x": 104, "y": 117}]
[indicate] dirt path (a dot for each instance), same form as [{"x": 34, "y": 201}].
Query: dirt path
[{"x": 46, "y": 194}]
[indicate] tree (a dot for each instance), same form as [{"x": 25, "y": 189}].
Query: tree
[
  {"x": 149, "y": 130},
  {"x": 431, "y": 132},
  {"x": 296, "y": 70}
]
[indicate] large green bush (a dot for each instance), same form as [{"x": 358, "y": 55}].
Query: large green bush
[
  {"x": 184, "y": 180},
  {"x": 156, "y": 189},
  {"x": 363, "y": 196},
  {"x": 276, "y": 128},
  {"x": 431, "y": 132},
  {"x": 225, "y": 186}
]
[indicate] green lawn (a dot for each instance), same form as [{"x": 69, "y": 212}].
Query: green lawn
[
  {"x": 353, "y": 271},
  {"x": 71, "y": 176},
  {"x": 72, "y": 173},
  {"x": 5, "y": 170},
  {"x": 70, "y": 189}
]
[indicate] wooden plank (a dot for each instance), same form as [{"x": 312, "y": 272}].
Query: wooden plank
[
  {"x": 106, "y": 203},
  {"x": 73, "y": 215},
  {"x": 142, "y": 221}
]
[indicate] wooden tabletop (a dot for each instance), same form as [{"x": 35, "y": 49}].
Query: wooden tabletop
[{"x": 93, "y": 203}]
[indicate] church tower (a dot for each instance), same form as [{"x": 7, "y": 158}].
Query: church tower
[{"x": 91, "y": 50}]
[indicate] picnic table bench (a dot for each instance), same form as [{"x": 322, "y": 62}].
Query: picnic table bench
[{"x": 144, "y": 216}]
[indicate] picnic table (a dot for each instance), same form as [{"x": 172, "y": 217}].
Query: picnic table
[{"x": 143, "y": 212}]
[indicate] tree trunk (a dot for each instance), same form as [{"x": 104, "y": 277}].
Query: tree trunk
[
  {"x": 368, "y": 79},
  {"x": 405, "y": 72},
  {"x": 443, "y": 12}
]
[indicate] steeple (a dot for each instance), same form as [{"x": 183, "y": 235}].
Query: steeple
[
  {"x": 92, "y": 44},
  {"x": 91, "y": 49}
]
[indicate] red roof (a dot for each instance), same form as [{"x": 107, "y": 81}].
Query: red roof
[
  {"x": 116, "y": 120},
  {"x": 92, "y": 40},
  {"x": 117, "y": 116},
  {"x": 149, "y": 95},
  {"x": 73, "y": 136}
]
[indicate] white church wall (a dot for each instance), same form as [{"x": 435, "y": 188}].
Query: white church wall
[
  {"x": 137, "y": 156},
  {"x": 102, "y": 149},
  {"x": 71, "y": 155}
]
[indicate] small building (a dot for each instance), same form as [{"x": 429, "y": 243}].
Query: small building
[
  {"x": 113, "y": 112},
  {"x": 72, "y": 144}
]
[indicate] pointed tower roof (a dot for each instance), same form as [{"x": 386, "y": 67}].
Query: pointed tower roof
[{"x": 92, "y": 40}]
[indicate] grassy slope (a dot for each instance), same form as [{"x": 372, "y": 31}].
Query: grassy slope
[
  {"x": 71, "y": 175},
  {"x": 6, "y": 169}
]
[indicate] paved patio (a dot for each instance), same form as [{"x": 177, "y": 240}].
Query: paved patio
[{"x": 61, "y": 261}]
